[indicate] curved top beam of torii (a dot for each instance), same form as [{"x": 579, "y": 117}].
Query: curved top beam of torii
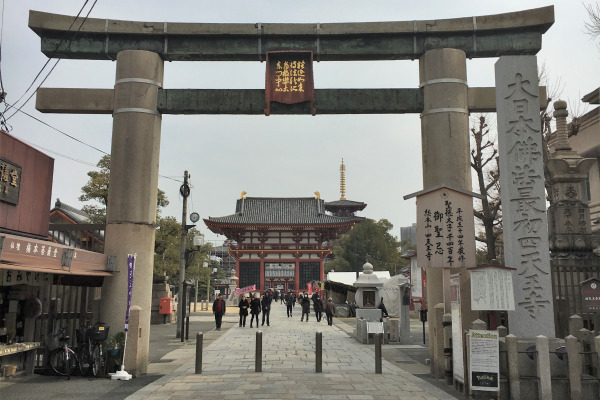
[{"x": 515, "y": 33}]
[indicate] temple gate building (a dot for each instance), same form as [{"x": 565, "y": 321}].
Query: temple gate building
[{"x": 280, "y": 243}]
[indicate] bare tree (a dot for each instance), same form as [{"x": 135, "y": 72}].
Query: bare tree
[
  {"x": 592, "y": 27},
  {"x": 484, "y": 161}
]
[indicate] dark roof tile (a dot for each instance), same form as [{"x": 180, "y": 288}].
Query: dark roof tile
[{"x": 281, "y": 211}]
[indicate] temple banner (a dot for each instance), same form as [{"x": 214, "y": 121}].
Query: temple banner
[{"x": 289, "y": 78}]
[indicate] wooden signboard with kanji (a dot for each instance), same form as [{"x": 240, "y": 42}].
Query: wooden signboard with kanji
[{"x": 289, "y": 79}]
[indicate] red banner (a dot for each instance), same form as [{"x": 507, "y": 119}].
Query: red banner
[
  {"x": 245, "y": 289},
  {"x": 289, "y": 79}
]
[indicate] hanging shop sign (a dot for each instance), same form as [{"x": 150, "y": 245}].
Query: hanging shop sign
[{"x": 16, "y": 277}]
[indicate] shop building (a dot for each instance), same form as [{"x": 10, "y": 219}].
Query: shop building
[{"x": 44, "y": 285}]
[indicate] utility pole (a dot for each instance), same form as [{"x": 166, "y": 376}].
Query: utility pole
[{"x": 184, "y": 190}]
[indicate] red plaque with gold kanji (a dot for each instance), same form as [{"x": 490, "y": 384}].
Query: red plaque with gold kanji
[{"x": 289, "y": 78}]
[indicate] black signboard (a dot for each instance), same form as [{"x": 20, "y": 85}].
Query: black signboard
[{"x": 590, "y": 295}]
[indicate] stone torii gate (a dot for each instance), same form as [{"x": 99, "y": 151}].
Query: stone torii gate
[{"x": 138, "y": 100}]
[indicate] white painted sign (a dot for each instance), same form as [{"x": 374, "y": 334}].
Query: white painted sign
[
  {"x": 416, "y": 278},
  {"x": 484, "y": 360},
  {"x": 458, "y": 366},
  {"x": 445, "y": 229},
  {"x": 492, "y": 289},
  {"x": 374, "y": 327}
]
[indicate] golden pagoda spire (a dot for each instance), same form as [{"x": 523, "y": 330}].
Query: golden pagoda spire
[{"x": 343, "y": 181}]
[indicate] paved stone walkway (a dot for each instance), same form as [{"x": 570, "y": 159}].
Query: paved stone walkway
[{"x": 288, "y": 367}]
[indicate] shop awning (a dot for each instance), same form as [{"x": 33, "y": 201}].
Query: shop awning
[{"x": 45, "y": 257}]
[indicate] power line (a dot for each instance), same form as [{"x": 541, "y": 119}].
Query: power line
[
  {"x": 78, "y": 141},
  {"x": 59, "y": 131},
  {"x": 49, "y": 59}
]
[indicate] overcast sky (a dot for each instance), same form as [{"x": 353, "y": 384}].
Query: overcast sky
[{"x": 276, "y": 156}]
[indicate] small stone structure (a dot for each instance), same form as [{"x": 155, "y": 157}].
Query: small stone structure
[{"x": 367, "y": 298}]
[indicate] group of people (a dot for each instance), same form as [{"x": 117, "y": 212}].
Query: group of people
[{"x": 255, "y": 305}]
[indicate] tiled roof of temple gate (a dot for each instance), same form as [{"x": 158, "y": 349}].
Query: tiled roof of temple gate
[{"x": 281, "y": 211}]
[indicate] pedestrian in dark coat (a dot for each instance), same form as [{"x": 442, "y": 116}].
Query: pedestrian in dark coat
[
  {"x": 329, "y": 311},
  {"x": 305, "y": 303},
  {"x": 290, "y": 299},
  {"x": 254, "y": 309},
  {"x": 266, "y": 307},
  {"x": 218, "y": 310},
  {"x": 244, "y": 306},
  {"x": 381, "y": 306},
  {"x": 318, "y": 307}
]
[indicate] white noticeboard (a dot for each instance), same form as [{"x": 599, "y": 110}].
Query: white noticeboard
[
  {"x": 374, "y": 327},
  {"x": 484, "y": 360},
  {"x": 458, "y": 368},
  {"x": 416, "y": 278},
  {"x": 492, "y": 289}
]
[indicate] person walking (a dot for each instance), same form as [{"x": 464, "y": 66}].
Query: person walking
[
  {"x": 290, "y": 299},
  {"x": 305, "y": 303},
  {"x": 218, "y": 310},
  {"x": 381, "y": 306},
  {"x": 244, "y": 306},
  {"x": 266, "y": 307},
  {"x": 329, "y": 311},
  {"x": 254, "y": 309},
  {"x": 318, "y": 307}
]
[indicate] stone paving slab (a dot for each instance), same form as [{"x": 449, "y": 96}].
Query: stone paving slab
[{"x": 288, "y": 367}]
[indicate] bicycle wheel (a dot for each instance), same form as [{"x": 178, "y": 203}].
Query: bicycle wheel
[
  {"x": 97, "y": 361},
  {"x": 60, "y": 364},
  {"x": 85, "y": 360}
]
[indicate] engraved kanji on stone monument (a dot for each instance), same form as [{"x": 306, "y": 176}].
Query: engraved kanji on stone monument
[{"x": 523, "y": 195}]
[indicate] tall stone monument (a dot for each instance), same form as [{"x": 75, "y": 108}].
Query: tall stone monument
[{"x": 523, "y": 195}]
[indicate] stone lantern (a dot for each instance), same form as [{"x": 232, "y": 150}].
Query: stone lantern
[
  {"x": 367, "y": 299},
  {"x": 367, "y": 292}
]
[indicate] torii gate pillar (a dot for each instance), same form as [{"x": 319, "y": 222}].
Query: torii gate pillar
[
  {"x": 445, "y": 147},
  {"x": 132, "y": 194}
]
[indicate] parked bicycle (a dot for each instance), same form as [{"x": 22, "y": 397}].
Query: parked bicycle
[
  {"x": 91, "y": 354},
  {"x": 63, "y": 359}
]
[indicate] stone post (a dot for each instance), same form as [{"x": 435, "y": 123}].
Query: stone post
[
  {"x": 575, "y": 324},
  {"x": 512, "y": 355},
  {"x": 597, "y": 343},
  {"x": 131, "y": 208},
  {"x": 135, "y": 337},
  {"x": 405, "y": 337},
  {"x": 502, "y": 331},
  {"x": 574, "y": 360},
  {"x": 447, "y": 324},
  {"x": 543, "y": 368},
  {"x": 523, "y": 195},
  {"x": 445, "y": 144},
  {"x": 437, "y": 339}
]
